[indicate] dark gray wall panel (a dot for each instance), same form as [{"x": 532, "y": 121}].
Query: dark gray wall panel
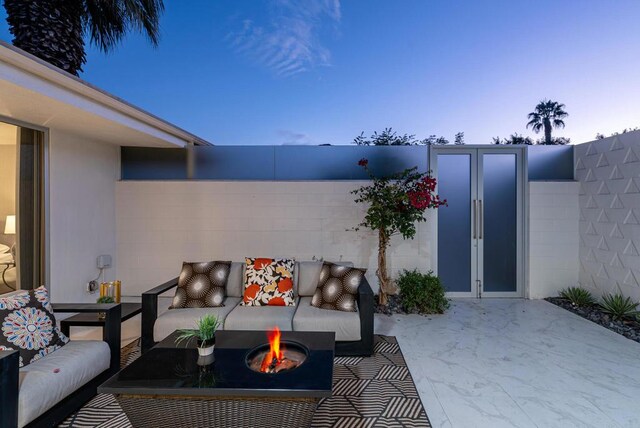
[
  {"x": 550, "y": 163},
  {"x": 309, "y": 162},
  {"x": 341, "y": 162},
  {"x": 234, "y": 163},
  {"x": 270, "y": 162},
  {"x": 146, "y": 163}
]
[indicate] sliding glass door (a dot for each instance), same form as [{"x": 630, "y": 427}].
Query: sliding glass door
[
  {"x": 480, "y": 233},
  {"x": 21, "y": 208}
]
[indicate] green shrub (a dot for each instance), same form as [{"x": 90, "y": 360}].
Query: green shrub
[
  {"x": 420, "y": 292},
  {"x": 106, "y": 299},
  {"x": 578, "y": 296},
  {"x": 618, "y": 306}
]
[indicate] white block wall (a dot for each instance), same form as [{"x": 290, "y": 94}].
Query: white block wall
[
  {"x": 609, "y": 171},
  {"x": 82, "y": 214},
  {"x": 553, "y": 238},
  {"x": 161, "y": 224}
]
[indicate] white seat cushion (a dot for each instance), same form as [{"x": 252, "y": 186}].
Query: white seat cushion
[
  {"x": 346, "y": 325},
  {"x": 261, "y": 318},
  {"x": 45, "y": 382},
  {"x": 175, "y": 319}
]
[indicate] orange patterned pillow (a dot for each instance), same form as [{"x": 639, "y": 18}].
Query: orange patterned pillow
[{"x": 268, "y": 282}]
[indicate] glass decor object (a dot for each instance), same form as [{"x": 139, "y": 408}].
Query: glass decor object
[{"x": 111, "y": 289}]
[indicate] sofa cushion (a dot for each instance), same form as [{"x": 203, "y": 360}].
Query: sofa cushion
[
  {"x": 176, "y": 319},
  {"x": 337, "y": 287},
  {"x": 201, "y": 285},
  {"x": 29, "y": 326},
  {"x": 346, "y": 325},
  {"x": 260, "y": 318},
  {"x": 236, "y": 280},
  {"x": 48, "y": 380},
  {"x": 268, "y": 282}
]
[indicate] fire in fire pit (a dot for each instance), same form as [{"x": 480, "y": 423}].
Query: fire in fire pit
[{"x": 277, "y": 355}]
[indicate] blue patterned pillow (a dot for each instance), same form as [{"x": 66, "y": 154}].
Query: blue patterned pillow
[{"x": 27, "y": 324}]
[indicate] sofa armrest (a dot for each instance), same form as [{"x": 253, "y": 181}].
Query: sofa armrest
[
  {"x": 9, "y": 375},
  {"x": 366, "y": 305},
  {"x": 150, "y": 311},
  {"x": 112, "y": 324}
]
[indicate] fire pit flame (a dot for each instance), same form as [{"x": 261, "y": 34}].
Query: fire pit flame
[
  {"x": 278, "y": 358},
  {"x": 275, "y": 355}
]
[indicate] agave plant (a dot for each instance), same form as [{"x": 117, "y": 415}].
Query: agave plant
[
  {"x": 618, "y": 306},
  {"x": 577, "y": 296}
]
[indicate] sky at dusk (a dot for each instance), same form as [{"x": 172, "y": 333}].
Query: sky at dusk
[{"x": 323, "y": 71}]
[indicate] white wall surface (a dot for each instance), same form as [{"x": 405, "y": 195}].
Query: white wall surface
[
  {"x": 608, "y": 171},
  {"x": 82, "y": 217},
  {"x": 553, "y": 237},
  {"x": 162, "y": 224}
]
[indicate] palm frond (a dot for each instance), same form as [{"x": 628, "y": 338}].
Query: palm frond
[
  {"x": 107, "y": 22},
  {"x": 144, "y": 15}
]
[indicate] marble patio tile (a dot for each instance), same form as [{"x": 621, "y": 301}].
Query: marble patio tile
[{"x": 514, "y": 362}]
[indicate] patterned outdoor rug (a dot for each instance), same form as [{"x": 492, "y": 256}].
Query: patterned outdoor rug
[{"x": 377, "y": 391}]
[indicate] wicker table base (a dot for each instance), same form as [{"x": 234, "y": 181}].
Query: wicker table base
[{"x": 237, "y": 412}]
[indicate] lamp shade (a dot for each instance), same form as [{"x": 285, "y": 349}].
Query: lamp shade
[{"x": 10, "y": 225}]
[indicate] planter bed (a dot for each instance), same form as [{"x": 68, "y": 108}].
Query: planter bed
[{"x": 628, "y": 328}]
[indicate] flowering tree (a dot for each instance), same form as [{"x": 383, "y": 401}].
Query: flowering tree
[{"x": 396, "y": 204}]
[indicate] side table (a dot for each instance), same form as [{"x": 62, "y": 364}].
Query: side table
[{"x": 129, "y": 310}]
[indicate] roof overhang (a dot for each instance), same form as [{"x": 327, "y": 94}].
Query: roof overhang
[{"x": 35, "y": 92}]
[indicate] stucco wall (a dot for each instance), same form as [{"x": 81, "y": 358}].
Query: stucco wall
[
  {"x": 82, "y": 178},
  {"x": 161, "y": 224},
  {"x": 553, "y": 237},
  {"x": 608, "y": 171}
]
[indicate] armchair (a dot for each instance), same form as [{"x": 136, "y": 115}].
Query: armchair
[
  {"x": 10, "y": 372},
  {"x": 150, "y": 311}
]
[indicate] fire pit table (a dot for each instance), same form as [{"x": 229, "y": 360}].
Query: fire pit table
[{"x": 170, "y": 386}]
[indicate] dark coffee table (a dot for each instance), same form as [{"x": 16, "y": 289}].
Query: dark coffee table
[{"x": 166, "y": 387}]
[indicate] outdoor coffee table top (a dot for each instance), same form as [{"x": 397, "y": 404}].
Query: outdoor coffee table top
[{"x": 168, "y": 369}]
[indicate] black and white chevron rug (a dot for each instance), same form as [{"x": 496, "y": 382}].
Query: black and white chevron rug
[{"x": 375, "y": 391}]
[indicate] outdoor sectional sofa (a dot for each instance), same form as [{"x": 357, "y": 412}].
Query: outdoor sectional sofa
[{"x": 354, "y": 330}]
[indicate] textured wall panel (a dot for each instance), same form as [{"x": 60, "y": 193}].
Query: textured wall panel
[{"x": 608, "y": 171}]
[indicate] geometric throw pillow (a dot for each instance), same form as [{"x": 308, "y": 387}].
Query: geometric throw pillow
[
  {"x": 268, "y": 282},
  {"x": 338, "y": 287},
  {"x": 29, "y": 326},
  {"x": 201, "y": 285}
]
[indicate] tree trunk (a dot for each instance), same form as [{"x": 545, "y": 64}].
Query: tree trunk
[
  {"x": 49, "y": 29},
  {"x": 386, "y": 285},
  {"x": 547, "y": 131}
]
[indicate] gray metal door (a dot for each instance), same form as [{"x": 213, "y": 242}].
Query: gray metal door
[{"x": 480, "y": 234}]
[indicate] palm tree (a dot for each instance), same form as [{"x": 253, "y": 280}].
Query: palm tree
[
  {"x": 54, "y": 30},
  {"x": 548, "y": 114}
]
